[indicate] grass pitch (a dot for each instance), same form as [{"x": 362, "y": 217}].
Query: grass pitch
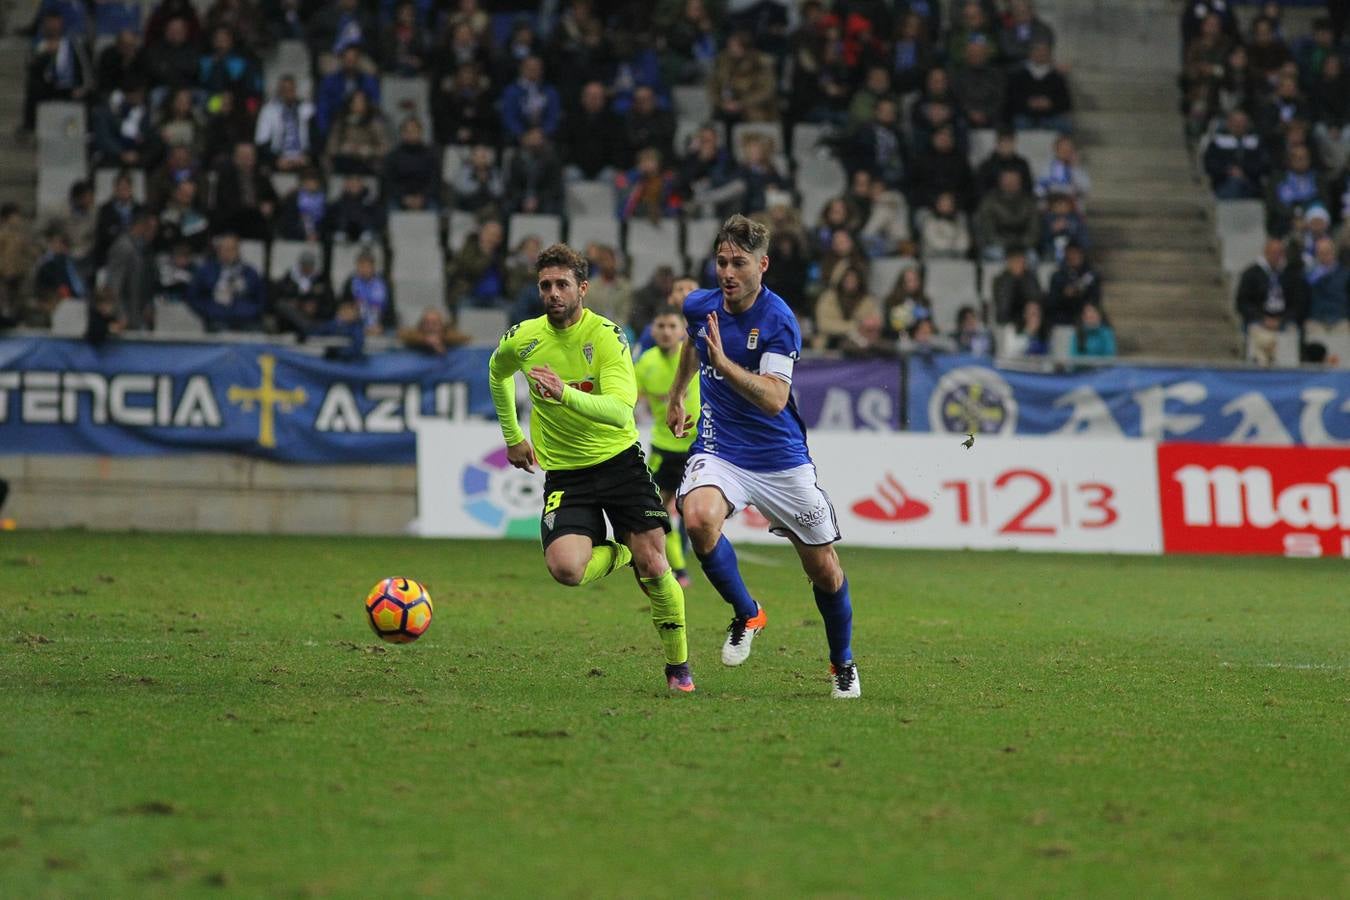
[{"x": 188, "y": 715}]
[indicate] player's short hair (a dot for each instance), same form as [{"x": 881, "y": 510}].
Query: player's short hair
[
  {"x": 745, "y": 233},
  {"x": 667, "y": 311},
  {"x": 563, "y": 257}
]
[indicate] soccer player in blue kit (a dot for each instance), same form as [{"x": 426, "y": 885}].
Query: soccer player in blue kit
[{"x": 751, "y": 445}]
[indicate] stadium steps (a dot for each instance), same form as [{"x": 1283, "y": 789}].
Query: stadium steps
[
  {"x": 1150, "y": 218},
  {"x": 18, "y": 167}
]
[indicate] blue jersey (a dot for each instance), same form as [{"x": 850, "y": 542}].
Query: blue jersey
[{"x": 763, "y": 339}]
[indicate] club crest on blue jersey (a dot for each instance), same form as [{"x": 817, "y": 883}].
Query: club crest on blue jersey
[{"x": 752, "y": 339}]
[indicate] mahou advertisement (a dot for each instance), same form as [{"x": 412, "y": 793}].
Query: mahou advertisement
[{"x": 1288, "y": 501}]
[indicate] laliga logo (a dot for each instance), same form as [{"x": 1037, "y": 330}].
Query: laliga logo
[
  {"x": 1231, "y": 498},
  {"x": 973, "y": 399}
]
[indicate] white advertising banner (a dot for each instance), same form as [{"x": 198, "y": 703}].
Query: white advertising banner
[{"x": 888, "y": 490}]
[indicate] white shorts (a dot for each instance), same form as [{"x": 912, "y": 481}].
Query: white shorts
[{"x": 790, "y": 499}]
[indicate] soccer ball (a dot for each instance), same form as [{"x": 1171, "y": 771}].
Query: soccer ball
[{"x": 399, "y": 610}]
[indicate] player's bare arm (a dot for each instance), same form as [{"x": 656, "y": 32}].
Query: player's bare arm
[
  {"x": 769, "y": 393},
  {"x": 677, "y": 419}
]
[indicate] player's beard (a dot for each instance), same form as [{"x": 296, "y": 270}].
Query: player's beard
[{"x": 563, "y": 315}]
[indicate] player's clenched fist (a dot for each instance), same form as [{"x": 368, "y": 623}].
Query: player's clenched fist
[{"x": 521, "y": 456}]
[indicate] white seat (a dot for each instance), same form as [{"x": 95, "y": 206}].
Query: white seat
[
  {"x": 343, "y": 261},
  {"x": 485, "y": 326},
  {"x": 547, "y": 228},
  {"x": 61, "y": 121},
  {"x": 660, "y": 238},
  {"x": 413, "y": 295},
  {"x": 286, "y": 254},
  {"x": 641, "y": 265},
  {"x": 593, "y": 229},
  {"x": 1061, "y": 341},
  {"x": 822, "y": 171},
  {"x": 590, "y": 198},
  {"x": 814, "y": 198},
  {"x": 951, "y": 285},
  {"x": 53, "y": 187},
  {"x": 255, "y": 254},
  {"x": 415, "y": 240},
  {"x": 691, "y": 102},
  {"x": 1235, "y": 216},
  {"x": 403, "y": 97},
  {"x": 1286, "y": 348},
  {"x": 1242, "y": 248},
  {"x": 980, "y": 143},
  {"x": 285, "y": 182},
  {"x": 462, "y": 225},
  {"x": 699, "y": 235},
  {"x": 1044, "y": 272},
  {"x": 807, "y": 138},
  {"x": 1338, "y": 350},
  {"x": 884, "y": 272},
  {"x": 989, "y": 271},
  {"x": 412, "y": 225},
  {"x": 104, "y": 180},
  {"x": 1038, "y": 147},
  {"x": 453, "y": 158},
  {"x": 174, "y": 317},
  {"x": 70, "y": 318}
]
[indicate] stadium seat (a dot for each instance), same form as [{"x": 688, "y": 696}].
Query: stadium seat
[
  {"x": 1241, "y": 226},
  {"x": 1338, "y": 351},
  {"x": 807, "y": 139},
  {"x": 286, "y": 254},
  {"x": 951, "y": 285},
  {"x": 413, "y": 295},
  {"x": 70, "y": 318},
  {"x": 173, "y": 317},
  {"x": 699, "y": 235},
  {"x": 255, "y": 254},
  {"x": 289, "y": 58},
  {"x": 285, "y": 182},
  {"x": 813, "y": 200},
  {"x": 821, "y": 171},
  {"x": 1232, "y": 216},
  {"x": 521, "y": 225},
  {"x": 61, "y": 121},
  {"x": 653, "y": 239},
  {"x": 590, "y": 198},
  {"x": 1061, "y": 342},
  {"x": 485, "y": 326},
  {"x": 402, "y": 97},
  {"x": 598, "y": 229},
  {"x": 691, "y": 102},
  {"x": 105, "y": 178},
  {"x": 1286, "y": 349},
  {"x": 1038, "y": 146},
  {"x": 343, "y": 261},
  {"x": 452, "y": 158},
  {"x": 989, "y": 271},
  {"x": 415, "y": 227},
  {"x": 884, "y": 272},
  {"x": 980, "y": 143},
  {"x": 53, "y": 186},
  {"x": 642, "y": 264},
  {"x": 461, "y": 225}
]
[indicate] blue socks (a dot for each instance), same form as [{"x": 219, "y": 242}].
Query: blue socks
[
  {"x": 725, "y": 575},
  {"x": 837, "y": 612}
]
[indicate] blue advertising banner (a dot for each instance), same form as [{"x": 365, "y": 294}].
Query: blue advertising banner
[
  {"x": 848, "y": 395},
  {"x": 959, "y": 394},
  {"x": 131, "y": 398}
]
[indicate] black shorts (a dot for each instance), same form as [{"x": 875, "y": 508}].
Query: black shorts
[
  {"x": 667, "y": 468},
  {"x": 577, "y": 501}
]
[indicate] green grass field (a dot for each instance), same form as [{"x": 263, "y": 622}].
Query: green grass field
[{"x": 199, "y": 715}]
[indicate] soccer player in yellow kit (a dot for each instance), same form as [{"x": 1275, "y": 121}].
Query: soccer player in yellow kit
[
  {"x": 580, "y": 373},
  {"x": 656, "y": 369}
]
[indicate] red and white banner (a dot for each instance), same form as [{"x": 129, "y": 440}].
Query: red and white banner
[
  {"x": 1025, "y": 493},
  {"x": 1290, "y": 501},
  {"x": 894, "y": 490}
]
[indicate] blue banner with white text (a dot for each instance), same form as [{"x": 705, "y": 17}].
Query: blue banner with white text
[
  {"x": 134, "y": 398},
  {"x": 959, "y": 394}
]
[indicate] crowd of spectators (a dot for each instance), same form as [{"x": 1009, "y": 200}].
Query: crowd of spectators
[
  {"x": 532, "y": 103},
  {"x": 1270, "y": 112}
]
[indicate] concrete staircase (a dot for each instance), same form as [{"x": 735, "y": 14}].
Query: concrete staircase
[
  {"x": 18, "y": 163},
  {"x": 1150, "y": 217}
]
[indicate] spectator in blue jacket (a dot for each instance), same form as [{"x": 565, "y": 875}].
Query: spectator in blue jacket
[
  {"x": 530, "y": 103},
  {"x": 227, "y": 69},
  {"x": 226, "y": 292},
  {"x": 334, "y": 89},
  {"x": 1095, "y": 336},
  {"x": 1328, "y": 295}
]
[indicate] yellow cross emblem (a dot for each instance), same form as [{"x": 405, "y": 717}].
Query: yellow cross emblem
[{"x": 268, "y": 398}]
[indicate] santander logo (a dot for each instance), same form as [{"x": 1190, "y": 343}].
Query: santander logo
[
  {"x": 891, "y": 503},
  {"x": 1228, "y": 497}
]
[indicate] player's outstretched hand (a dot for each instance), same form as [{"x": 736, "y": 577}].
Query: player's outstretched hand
[
  {"x": 716, "y": 358},
  {"x": 547, "y": 383},
  {"x": 679, "y": 422},
  {"x": 521, "y": 456}
]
